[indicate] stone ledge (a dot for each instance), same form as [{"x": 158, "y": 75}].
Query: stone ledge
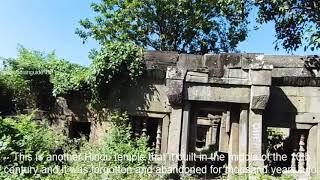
[{"x": 197, "y": 77}]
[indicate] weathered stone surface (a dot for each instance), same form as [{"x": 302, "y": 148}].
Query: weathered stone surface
[
  {"x": 237, "y": 73},
  {"x": 231, "y": 60},
  {"x": 215, "y": 65},
  {"x": 243, "y": 136},
  {"x": 165, "y": 133},
  {"x": 185, "y": 131},
  {"x": 289, "y": 120},
  {"x": 290, "y": 72},
  {"x": 260, "y": 65},
  {"x": 215, "y": 82},
  {"x": 249, "y": 58},
  {"x": 259, "y": 97},
  {"x": 148, "y": 96},
  {"x": 98, "y": 130},
  {"x": 294, "y": 99},
  {"x": 197, "y": 77},
  {"x": 174, "y": 133},
  {"x": 234, "y": 137},
  {"x": 255, "y": 139},
  {"x": 303, "y": 126},
  {"x": 318, "y": 149},
  {"x": 230, "y": 81},
  {"x": 224, "y": 136},
  {"x": 175, "y": 73},
  {"x": 260, "y": 77},
  {"x": 160, "y": 59},
  {"x": 190, "y": 61},
  {"x": 217, "y": 93},
  {"x": 175, "y": 91},
  {"x": 259, "y": 102},
  {"x": 296, "y": 81},
  {"x": 284, "y": 61},
  {"x": 312, "y": 147}
]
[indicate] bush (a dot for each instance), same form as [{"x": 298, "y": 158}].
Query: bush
[
  {"x": 15, "y": 93},
  {"x": 33, "y": 140},
  {"x": 118, "y": 141},
  {"x": 115, "y": 63}
]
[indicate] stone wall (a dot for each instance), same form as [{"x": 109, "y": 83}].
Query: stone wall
[{"x": 265, "y": 91}]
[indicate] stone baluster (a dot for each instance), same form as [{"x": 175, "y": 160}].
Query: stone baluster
[
  {"x": 144, "y": 127},
  {"x": 158, "y": 138},
  {"x": 294, "y": 160},
  {"x": 137, "y": 128},
  {"x": 301, "y": 154},
  {"x": 153, "y": 148}
]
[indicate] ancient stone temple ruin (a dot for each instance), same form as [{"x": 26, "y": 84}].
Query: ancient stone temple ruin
[{"x": 226, "y": 103}]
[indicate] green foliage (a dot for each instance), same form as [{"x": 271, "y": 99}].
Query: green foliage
[
  {"x": 14, "y": 92},
  {"x": 297, "y": 22},
  {"x": 275, "y": 137},
  {"x": 37, "y": 66},
  {"x": 24, "y": 136},
  {"x": 35, "y": 78},
  {"x": 67, "y": 77},
  {"x": 181, "y": 25},
  {"x": 118, "y": 142},
  {"x": 116, "y": 62}
]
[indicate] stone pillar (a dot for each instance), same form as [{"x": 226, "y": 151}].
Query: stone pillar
[
  {"x": 318, "y": 150},
  {"x": 260, "y": 78},
  {"x": 313, "y": 151},
  {"x": 174, "y": 84},
  {"x": 165, "y": 133},
  {"x": 255, "y": 140},
  {"x": 185, "y": 131},
  {"x": 224, "y": 135},
  {"x": 243, "y": 136},
  {"x": 174, "y": 134},
  {"x": 233, "y": 145}
]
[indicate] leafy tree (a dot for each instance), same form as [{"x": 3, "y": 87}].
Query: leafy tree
[
  {"x": 117, "y": 62},
  {"x": 181, "y": 25},
  {"x": 297, "y": 22},
  {"x": 47, "y": 73}
]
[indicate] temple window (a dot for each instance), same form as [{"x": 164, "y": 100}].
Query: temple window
[{"x": 152, "y": 127}]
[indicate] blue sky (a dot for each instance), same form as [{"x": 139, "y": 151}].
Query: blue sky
[{"x": 50, "y": 25}]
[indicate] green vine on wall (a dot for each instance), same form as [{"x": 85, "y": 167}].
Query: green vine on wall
[
  {"x": 45, "y": 75},
  {"x": 115, "y": 63}
]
